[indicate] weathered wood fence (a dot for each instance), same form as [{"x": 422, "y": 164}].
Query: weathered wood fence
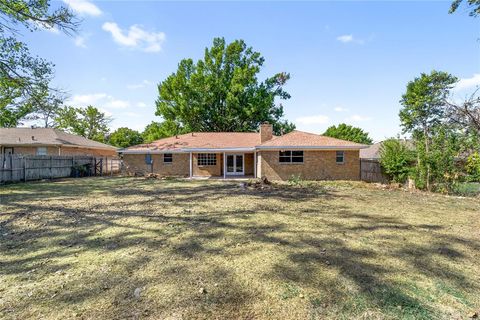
[
  {"x": 371, "y": 171},
  {"x": 16, "y": 168}
]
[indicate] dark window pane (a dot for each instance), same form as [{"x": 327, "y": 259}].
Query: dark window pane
[
  {"x": 297, "y": 159},
  {"x": 285, "y": 159},
  {"x": 297, "y": 153},
  {"x": 167, "y": 157}
]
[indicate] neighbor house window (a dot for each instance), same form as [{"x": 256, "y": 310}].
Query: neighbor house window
[
  {"x": 340, "y": 157},
  {"x": 207, "y": 159},
  {"x": 290, "y": 156},
  {"x": 167, "y": 158},
  {"x": 41, "y": 151}
]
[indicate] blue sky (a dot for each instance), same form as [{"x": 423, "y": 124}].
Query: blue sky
[{"x": 349, "y": 61}]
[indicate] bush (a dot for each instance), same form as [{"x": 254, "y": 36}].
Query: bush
[
  {"x": 472, "y": 167},
  {"x": 396, "y": 160}
]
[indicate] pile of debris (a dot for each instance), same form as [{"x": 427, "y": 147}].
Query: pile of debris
[{"x": 262, "y": 183}]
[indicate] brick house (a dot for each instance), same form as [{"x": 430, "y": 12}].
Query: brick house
[
  {"x": 248, "y": 154},
  {"x": 49, "y": 141}
]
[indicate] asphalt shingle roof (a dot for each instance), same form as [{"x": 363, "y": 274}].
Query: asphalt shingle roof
[{"x": 46, "y": 136}]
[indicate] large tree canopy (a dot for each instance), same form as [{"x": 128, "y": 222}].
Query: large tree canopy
[
  {"x": 24, "y": 77},
  {"x": 124, "y": 137},
  {"x": 87, "y": 122},
  {"x": 423, "y": 115},
  {"x": 348, "y": 132},
  {"x": 222, "y": 92},
  {"x": 159, "y": 130}
]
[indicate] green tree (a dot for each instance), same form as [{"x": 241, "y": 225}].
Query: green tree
[
  {"x": 221, "y": 92},
  {"x": 473, "y": 4},
  {"x": 124, "y": 137},
  {"x": 159, "y": 130},
  {"x": 87, "y": 122},
  {"x": 348, "y": 132},
  {"x": 22, "y": 76},
  {"x": 424, "y": 109},
  {"x": 397, "y": 159},
  {"x": 472, "y": 167},
  {"x": 445, "y": 145}
]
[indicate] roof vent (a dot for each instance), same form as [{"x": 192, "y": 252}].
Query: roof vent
[{"x": 33, "y": 138}]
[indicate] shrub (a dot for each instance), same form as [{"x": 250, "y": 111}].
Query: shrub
[
  {"x": 472, "y": 167},
  {"x": 396, "y": 160}
]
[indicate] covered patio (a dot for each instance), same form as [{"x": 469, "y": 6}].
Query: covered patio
[{"x": 224, "y": 163}]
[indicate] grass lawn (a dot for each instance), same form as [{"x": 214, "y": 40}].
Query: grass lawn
[{"x": 97, "y": 248}]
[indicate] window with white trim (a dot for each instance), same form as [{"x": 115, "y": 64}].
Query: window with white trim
[
  {"x": 207, "y": 159},
  {"x": 167, "y": 158},
  {"x": 41, "y": 151},
  {"x": 340, "y": 157},
  {"x": 290, "y": 156}
]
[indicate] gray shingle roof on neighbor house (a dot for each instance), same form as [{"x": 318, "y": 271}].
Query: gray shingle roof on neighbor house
[
  {"x": 47, "y": 137},
  {"x": 373, "y": 151}
]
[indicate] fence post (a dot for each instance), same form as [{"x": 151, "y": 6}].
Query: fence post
[
  {"x": 24, "y": 169},
  {"x": 51, "y": 160}
]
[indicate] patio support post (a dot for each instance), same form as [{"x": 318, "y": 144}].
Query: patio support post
[
  {"x": 191, "y": 165},
  {"x": 254, "y": 164},
  {"x": 224, "y": 166}
]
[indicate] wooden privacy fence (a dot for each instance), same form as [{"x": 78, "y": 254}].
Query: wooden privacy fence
[
  {"x": 371, "y": 171},
  {"x": 15, "y": 168}
]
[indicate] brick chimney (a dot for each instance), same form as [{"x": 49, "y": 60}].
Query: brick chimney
[{"x": 266, "y": 132}]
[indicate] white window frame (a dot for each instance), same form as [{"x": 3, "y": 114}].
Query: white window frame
[
  {"x": 170, "y": 156},
  {"x": 342, "y": 155},
  {"x": 291, "y": 156},
  {"x": 38, "y": 153},
  {"x": 206, "y": 159}
]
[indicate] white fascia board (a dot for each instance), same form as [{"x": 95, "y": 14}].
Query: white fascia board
[
  {"x": 219, "y": 149},
  {"x": 310, "y": 148},
  {"x": 149, "y": 151}
]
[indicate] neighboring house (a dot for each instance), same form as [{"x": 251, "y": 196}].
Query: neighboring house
[
  {"x": 49, "y": 141},
  {"x": 373, "y": 151},
  {"x": 370, "y": 167},
  {"x": 251, "y": 154}
]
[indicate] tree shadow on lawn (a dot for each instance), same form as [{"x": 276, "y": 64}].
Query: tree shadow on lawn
[{"x": 192, "y": 240}]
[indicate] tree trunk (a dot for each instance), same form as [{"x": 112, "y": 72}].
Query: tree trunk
[{"x": 425, "y": 132}]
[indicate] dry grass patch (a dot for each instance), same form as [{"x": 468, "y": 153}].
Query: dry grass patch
[{"x": 133, "y": 248}]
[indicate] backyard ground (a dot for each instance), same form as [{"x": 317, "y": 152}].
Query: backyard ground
[{"x": 114, "y": 248}]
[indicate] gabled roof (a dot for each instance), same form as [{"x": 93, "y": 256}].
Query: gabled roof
[
  {"x": 300, "y": 139},
  {"x": 201, "y": 140},
  {"x": 46, "y": 137},
  {"x": 241, "y": 141}
]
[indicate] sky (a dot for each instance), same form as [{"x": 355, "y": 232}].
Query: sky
[{"x": 349, "y": 61}]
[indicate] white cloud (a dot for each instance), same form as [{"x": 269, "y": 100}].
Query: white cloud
[
  {"x": 136, "y": 37},
  {"x": 116, "y": 104},
  {"x": 357, "y": 118},
  {"x": 349, "y": 38},
  {"x": 83, "y": 7},
  {"x": 340, "y": 109},
  {"x": 87, "y": 99},
  {"x": 46, "y": 27},
  {"x": 102, "y": 100},
  {"x": 81, "y": 41},
  {"x": 315, "y": 119},
  {"x": 142, "y": 84},
  {"x": 131, "y": 114},
  {"x": 141, "y": 104},
  {"x": 345, "y": 38},
  {"x": 468, "y": 83}
]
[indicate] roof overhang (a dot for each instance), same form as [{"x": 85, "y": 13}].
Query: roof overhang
[
  {"x": 325, "y": 148},
  {"x": 186, "y": 150}
]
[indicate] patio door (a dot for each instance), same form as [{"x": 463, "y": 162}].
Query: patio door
[{"x": 235, "y": 164}]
